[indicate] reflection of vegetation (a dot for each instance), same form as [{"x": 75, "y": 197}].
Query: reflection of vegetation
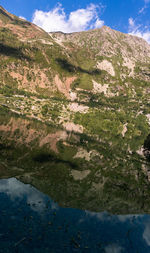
[
  {"x": 43, "y": 157},
  {"x": 147, "y": 143},
  {"x": 147, "y": 147},
  {"x": 115, "y": 182},
  {"x": 47, "y": 157}
]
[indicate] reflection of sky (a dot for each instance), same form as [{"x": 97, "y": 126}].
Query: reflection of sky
[
  {"x": 113, "y": 248},
  {"x": 146, "y": 234},
  {"x": 15, "y": 189},
  {"x": 31, "y": 212}
]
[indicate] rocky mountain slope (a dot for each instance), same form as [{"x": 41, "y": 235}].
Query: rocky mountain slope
[{"x": 74, "y": 115}]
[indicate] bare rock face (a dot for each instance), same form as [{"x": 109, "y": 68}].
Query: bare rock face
[{"x": 107, "y": 66}]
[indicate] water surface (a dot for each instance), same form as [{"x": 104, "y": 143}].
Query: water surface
[{"x": 32, "y": 222}]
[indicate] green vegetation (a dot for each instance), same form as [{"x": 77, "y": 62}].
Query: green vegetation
[{"x": 85, "y": 82}]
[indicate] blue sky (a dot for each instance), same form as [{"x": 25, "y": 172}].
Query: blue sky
[{"x": 129, "y": 16}]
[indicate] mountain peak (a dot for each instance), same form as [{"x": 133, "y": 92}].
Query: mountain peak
[
  {"x": 1, "y": 7},
  {"x": 5, "y": 16},
  {"x": 23, "y": 29}
]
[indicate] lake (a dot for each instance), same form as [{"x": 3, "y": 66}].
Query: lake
[{"x": 31, "y": 221}]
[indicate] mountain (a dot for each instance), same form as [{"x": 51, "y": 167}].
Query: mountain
[{"x": 74, "y": 115}]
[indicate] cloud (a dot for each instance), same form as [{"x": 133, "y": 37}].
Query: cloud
[
  {"x": 99, "y": 23},
  {"x": 79, "y": 20},
  {"x": 138, "y": 30},
  {"x": 141, "y": 11},
  {"x": 131, "y": 22},
  {"x": 144, "y": 7},
  {"x": 143, "y": 35},
  {"x": 22, "y": 17}
]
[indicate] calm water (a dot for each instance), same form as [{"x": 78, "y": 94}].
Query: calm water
[{"x": 31, "y": 222}]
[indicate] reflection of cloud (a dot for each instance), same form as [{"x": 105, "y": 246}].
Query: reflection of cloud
[
  {"x": 54, "y": 206},
  {"x": 107, "y": 217},
  {"x": 15, "y": 189},
  {"x": 36, "y": 201},
  {"x": 124, "y": 218},
  {"x": 100, "y": 216},
  {"x": 146, "y": 234},
  {"x": 113, "y": 248}
]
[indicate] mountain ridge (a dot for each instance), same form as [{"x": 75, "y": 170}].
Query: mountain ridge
[{"x": 104, "y": 27}]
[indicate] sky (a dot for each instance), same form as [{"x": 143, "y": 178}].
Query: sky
[{"x": 128, "y": 16}]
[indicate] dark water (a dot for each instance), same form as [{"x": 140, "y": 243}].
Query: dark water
[{"x": 31, "y": 222}]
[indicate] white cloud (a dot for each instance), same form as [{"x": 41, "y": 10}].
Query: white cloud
[
  {"x": 131, "y": 22},
  {"x": 141, "y": 11},
  {"x": 22, "y": 17},
  {"x": 138, "y": 31},
  {"x": 143, "y": 35},
  {"x": 147, "y": 1},
  {"x": 144, "y": 7},
  {"x": 57, "y": 20},
  {"x": 99, "y": 23}
]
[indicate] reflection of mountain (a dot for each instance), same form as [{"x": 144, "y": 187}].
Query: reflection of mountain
[
  {"x": 34, "y": 223},
  {"x": 147, "y": 147},
  {"x": 49, "y": 158},
  {"x": 74, "y": 114}
]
